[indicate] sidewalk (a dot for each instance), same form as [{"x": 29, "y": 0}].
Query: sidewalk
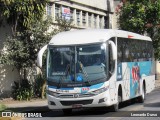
[
  {"x": 26, "y": 106},
  {"x": 36, "y": 103}
]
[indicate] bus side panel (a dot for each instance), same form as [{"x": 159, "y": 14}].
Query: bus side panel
[
  {"x": 140, "y": 71},
  {"x": 150, "y": 79},
  {"x": 123, "y": 79},
  {"x": 126, "y": 81},
  {"x": 133, "y": 74}
]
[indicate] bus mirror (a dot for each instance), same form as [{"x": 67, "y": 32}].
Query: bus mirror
[
  {"x": 114, "y": 49},
  {"x": 40, "y": 54}
]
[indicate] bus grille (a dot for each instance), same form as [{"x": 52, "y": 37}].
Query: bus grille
[
  {"x": 83, "y": 102},
  {"x": 73, "y": 95}
]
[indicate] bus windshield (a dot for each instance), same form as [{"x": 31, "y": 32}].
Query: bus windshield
[{"x": 77, "y": 66}]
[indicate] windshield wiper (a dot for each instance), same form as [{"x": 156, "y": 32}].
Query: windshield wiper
[{"x": 88, "y": 82}]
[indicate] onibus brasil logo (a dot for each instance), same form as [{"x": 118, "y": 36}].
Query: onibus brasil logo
[{"x": 23, "y": 115}]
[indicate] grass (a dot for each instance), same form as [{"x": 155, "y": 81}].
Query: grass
[{"x": 2, "y": 107}]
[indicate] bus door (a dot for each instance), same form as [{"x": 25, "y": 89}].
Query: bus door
[{"x": 112, "y": 71}]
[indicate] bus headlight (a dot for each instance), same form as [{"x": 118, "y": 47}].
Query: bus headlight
[
  {"x": 52, "y": 93},
  {"x": 101, "y": 90}
]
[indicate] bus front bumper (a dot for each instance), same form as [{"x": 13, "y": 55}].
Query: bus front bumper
[{"x": 100, "y": 100}]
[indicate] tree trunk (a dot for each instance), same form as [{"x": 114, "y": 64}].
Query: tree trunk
[
  {"x": 20, "y": 76},
  {"x": 43, "y": 89}
]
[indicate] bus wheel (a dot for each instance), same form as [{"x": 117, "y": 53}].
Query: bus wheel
[
  {"x": 142, "y": 97},
  {"x": 67, "y": 111}
]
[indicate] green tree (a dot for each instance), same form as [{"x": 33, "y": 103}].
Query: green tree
[
  {"x": 21, "y": 13},
  {"x": 141, "y": 16},
  {"x": 21, "y": 50}
]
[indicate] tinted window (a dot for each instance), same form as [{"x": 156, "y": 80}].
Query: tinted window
[{"x": 130, "y": 50}]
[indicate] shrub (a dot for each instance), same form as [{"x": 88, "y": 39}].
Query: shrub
[
  {"x": 23, "y": 90},
  {"x": 2, "y": 107}
]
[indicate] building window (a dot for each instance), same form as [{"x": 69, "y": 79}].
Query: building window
[
  {"x": 49, "y": 10},
  {"x": 84, "y": 18},
  {"x": 95, "y": 21},
  {"x": 89, "y": 20},
  {"x": 130, "y": 50},
  {"x": 78, "y": 17},
  {"x": 106, "y": 22},
  {"x": 57, "y": 11}
]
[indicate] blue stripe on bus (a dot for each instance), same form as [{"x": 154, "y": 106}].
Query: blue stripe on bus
[
  {"x": 97, "y": 86},
  {"x": 91, "y": 87},
  {"x": 54, "y": 87}
]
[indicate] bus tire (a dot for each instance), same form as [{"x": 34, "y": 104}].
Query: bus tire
[
  {"x": 67, "y": 111},
  {"x": 115, "y": 107},
  {"x": 142, "y": 97}
]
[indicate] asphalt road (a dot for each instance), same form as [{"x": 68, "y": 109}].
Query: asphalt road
[{"x": 129, "y": 110}]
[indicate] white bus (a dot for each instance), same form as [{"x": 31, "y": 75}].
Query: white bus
[{"x": 95, "y": 68}]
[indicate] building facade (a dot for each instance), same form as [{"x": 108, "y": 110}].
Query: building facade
[{"x": 82, "y": 13}]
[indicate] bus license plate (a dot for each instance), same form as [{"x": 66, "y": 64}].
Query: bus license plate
[{"x": 76, "y": 106}]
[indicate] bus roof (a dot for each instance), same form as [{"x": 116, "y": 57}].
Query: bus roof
[{"x": 87, "y": 36}]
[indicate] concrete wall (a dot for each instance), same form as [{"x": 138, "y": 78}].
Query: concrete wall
[
  {"x": 101, "y": 4},
  {"x": 7, "y": 77},
  {"x": 7, "y": 74},
  {"x": 5, "y": 30}
]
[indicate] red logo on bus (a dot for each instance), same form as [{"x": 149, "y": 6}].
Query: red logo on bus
[
  {"x": 130, "y": 36},
  {"x": 85, "y": 89},
  {"x": 135, "y": 73}
]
